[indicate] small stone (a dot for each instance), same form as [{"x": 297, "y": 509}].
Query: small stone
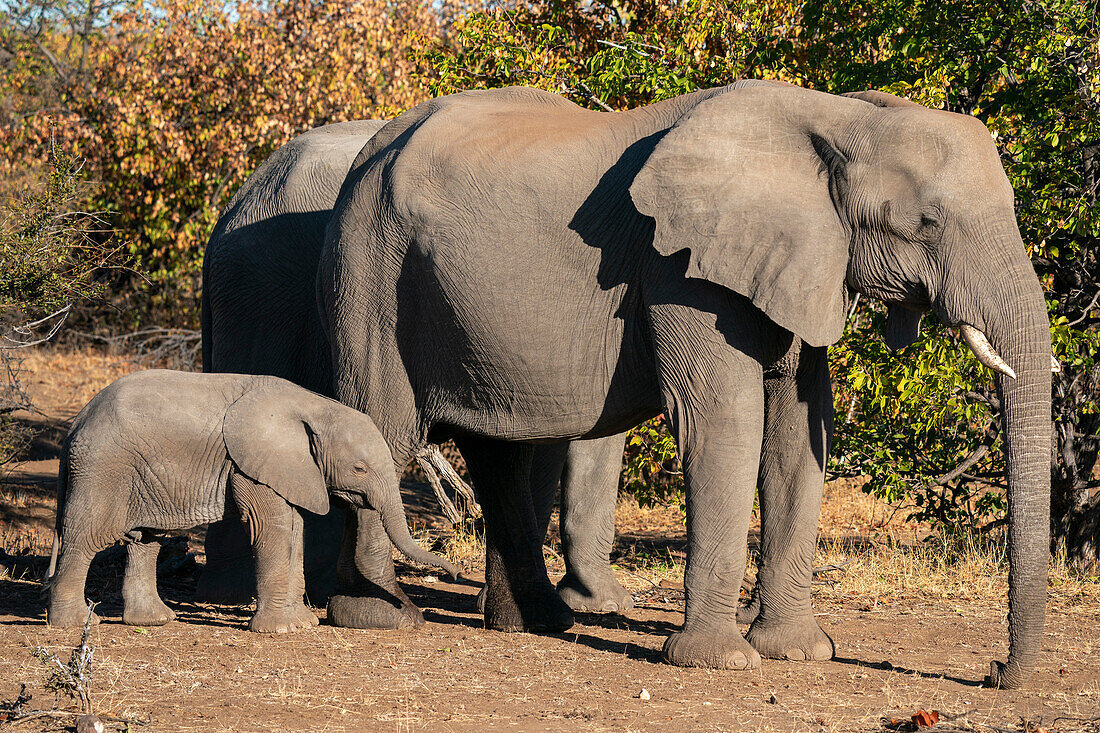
[
  {"x": 431, "y": 579},
  {"x": 89, "y": 724},
  {"x": 772, "y": 699},
  {"x": 644, "y": 694}
]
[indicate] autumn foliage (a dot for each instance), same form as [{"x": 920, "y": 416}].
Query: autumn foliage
[{"x": 172, "y": 103}]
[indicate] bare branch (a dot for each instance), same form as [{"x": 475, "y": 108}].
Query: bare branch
[{"x": 27, "y": 329}]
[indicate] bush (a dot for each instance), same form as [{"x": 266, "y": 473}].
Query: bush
[
  {"x": 173, "y": 103},
  {"x": 51, "y": 256}
]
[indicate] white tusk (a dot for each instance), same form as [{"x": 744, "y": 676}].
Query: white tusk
[
  {"x": 984, "y": 350},
  {"x": 1055, "y": 367}
]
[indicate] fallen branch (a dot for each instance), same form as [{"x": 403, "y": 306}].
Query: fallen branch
[
  {"x": 435, "y": 465},
  {"x": 831, "y": 568},
  {"x": 62, "y": 714},
  {"x": 179, "y": 347}
]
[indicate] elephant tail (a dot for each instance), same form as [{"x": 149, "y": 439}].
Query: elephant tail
[{"x": 62, "y": 492}]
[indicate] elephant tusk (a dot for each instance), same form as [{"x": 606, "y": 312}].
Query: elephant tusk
[
  {"x": 1055, "y": 367},
  {"x": 984, "y": 350}
]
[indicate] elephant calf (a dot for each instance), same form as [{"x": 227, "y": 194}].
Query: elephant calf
[{"x": 162, "y": 450}]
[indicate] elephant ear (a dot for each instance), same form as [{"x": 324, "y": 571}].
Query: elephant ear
[
  {"x": 271, "y": 441},
  {"x": 747, "y": 181}
]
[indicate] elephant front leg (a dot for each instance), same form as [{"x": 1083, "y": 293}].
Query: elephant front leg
[
  {"x": 798, "y": 426},
  {"x": 275, "y": 528},
  {"x": 518, "y": 595},
  {"x": 589, "y": 490},
  {"x": 367, "y": 594},
  {"x": 708, "y": 344}
]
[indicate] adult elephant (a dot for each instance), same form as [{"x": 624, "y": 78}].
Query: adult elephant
[
  {"x": 260, "y": 316},
  {"x": 505, "y": 268}
]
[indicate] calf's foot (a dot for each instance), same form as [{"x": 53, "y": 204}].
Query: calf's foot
[
  {"x": 797, "y": 639},
  {"x": 304, "y": 617},
  {"x": 146, "y": 612},
  {"x": 69, "y": 614},
  {"x": 711, "y": 648},
  {"x": 748, "y": 612},
  {"x": 278, "y": 621}
]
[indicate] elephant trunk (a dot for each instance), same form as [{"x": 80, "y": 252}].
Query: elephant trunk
[
  {"x": 1021, "y": 336},
  {"x": 397, "y": 529}
]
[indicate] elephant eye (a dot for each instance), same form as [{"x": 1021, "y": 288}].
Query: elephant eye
[{"x": 360, "y": 467}]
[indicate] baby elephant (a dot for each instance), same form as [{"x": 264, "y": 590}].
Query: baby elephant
[{"x": 162, "y": 450}]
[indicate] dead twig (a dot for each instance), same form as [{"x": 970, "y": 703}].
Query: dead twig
[
  {"x": 27, "y": 329},
  {"x": 75, "y": 678}
]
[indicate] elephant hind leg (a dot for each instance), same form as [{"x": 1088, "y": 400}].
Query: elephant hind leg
[
  {"x": 367, "y": 595},
  {"x": 67, "y": 605},
  {"x": 518, "y": 596},
  {"x": 141, "y": 604},
  {"x": 589, "y": 491}
]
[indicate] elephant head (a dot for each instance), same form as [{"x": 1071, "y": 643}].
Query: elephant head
[
  {"x": 903, "y": 203},
  {"x": 305, "y": 447}
]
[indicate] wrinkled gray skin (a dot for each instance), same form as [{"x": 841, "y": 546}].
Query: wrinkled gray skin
[
  {"x": 163, "y": 450},
  {"x": 260, "y": 317},
  {"x": 504, "y": 267}
]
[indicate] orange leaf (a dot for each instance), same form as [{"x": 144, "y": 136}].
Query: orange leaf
[{"x": 925, "y": 719}]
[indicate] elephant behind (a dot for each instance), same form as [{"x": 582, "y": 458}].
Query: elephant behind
[{"x": 260, "y": 316}]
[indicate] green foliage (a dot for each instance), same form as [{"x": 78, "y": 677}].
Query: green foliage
[
  {"x": 48, "y": 255},
  {"x": 1028, "y": 70},
  {"x": 651, "y": 469},
  {"x": 608, "y": 57},
  {"x": 51, "y": 255}
]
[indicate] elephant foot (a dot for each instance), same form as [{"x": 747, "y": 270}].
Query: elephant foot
[
  {"x": 538, "y": 611},
  {"x": 794, "y": 639},
  {"x": 232, "y": 584},
  {"x": 747, "y": 613},
  {"x": 372, "y": 612},
  {"x": 69, "y": 614},
  {"x": 710, "y": 648},
  {"x": 599, "y": 593},
  {"x": 277, "y": 621},
  {"x": 303, "y": 616},
  {"x": 146, "y": 612}
]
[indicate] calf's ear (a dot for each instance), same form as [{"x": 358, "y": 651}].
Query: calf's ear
[{"x": 271, "y": 441}]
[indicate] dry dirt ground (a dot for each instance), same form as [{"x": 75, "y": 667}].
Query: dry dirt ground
[{"x": 912, "y": 633}]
